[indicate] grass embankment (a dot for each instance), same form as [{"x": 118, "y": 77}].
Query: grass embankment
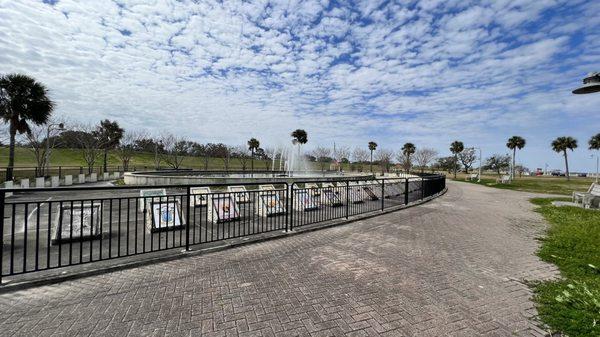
[
  {"x": 571, "y": 305},
  {"x": 72, "y": 157},
  {"x": 541, "y": 184}
]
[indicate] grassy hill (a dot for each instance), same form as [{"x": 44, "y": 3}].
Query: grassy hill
[{"x": 70, "y": 161}]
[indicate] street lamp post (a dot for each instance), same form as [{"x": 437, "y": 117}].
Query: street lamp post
[
  {"x": 478, "y": 174},
  {"x": 59, "y": 127}
]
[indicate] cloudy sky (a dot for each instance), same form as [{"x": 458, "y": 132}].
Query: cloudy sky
[{"x": 428, "y": 72}]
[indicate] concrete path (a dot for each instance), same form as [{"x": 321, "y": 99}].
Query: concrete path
[{"x": 454, "y": 267}]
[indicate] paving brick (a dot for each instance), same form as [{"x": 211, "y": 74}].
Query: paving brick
[{"x": 451, "y": 267}]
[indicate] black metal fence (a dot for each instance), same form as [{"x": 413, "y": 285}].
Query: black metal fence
[{"x": 58, "y": 227}]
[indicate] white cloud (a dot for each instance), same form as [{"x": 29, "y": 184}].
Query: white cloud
[{"x": 429, "y": 73}]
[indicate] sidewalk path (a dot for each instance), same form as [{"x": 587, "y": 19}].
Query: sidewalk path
[{"x": 454, "y": 266}]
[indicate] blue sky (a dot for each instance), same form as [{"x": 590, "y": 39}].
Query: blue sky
[{"x": 428, "y": 72}]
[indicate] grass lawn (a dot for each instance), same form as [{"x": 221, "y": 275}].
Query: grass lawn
[
  {"x": 549, "y": 185},
  {"x": 571, "y": 305},
  {"x": 72, "y": 157}
]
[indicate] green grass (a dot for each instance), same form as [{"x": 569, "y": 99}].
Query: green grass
[
  {"x": 571, "y": 305},
  {"x": 548, "y": 185},
  {"x": 72, "y": 157}
]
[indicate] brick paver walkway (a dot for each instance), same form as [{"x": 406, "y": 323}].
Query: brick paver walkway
[{"x": 454, "y": 266}]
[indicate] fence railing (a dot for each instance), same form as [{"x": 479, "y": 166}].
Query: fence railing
[{"x": 58, "y": 227}]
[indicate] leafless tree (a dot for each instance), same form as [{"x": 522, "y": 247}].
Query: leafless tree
[
  {"x": 360, "y": 156},
  {"x": 89, "y": 143},
  {"x": 322, "y": 155},
  {"x": 384, "y": 158},
  {"x": 424, "y": 157},
  {"x": 241, "y": 153},
  {"x": 175, "y": 150},
  {"x": 342, "y": 154},
  {"x": 270, "y": 153},
  {"x": 126, "y": 148},
  {"x": 37, "y": 140},
  {"x": 403, "y": 161},
  {"x": 467, "y": 157}
]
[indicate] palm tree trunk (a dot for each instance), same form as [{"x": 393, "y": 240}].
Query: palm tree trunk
[
  {"x": 252, "y": 163},
  {"x": 371, "y": 165},
  {"x": 512, "y": 175},
  {"x": 455, "y": 164},
  {"x": 11, "y": 155},
  {"x": 566, "y": 166}
]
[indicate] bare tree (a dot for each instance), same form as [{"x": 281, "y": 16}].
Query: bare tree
[
  {"x": 403, "y": 160},
  {"x": 90, "y": 144},
  {"x": 322, "y": 154},
  {"x": 175, "y": 150},
  {"x": 384, "y": 158},
  {"x": 126, "y": 148},
  {"x": 424, "y": 157},
  {"x": 467, "y": 157},
  {"x": 269, "y": 154},
  {"x": 342, "y": 154},
  {"x": 360, "y": 156},
  {"x": 241, "y": 153}
]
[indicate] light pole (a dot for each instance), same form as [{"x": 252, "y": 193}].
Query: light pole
[{"x": 59, "y": 127}]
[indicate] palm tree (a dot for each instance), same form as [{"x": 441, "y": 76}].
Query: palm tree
[
  {"x": 300, "y": 136},
  {"x": 514, "y": 143},
  {"x": 22, "y": 100},
  {"x": 372, "y": 147},
  {"x": 595, "y": 142},
  {"x": 456, "y": 147},
  {"x": 408, "y": 149},
  {"x": 110, "y": 135},
  {"x": 253, "y": 145},
  {"x": 562, "y": 144}
]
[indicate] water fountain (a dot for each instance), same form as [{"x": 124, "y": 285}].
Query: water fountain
[{"x": 292, "y": 166}]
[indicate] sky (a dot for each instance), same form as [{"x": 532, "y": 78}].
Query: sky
[{"x": 426, "y": 72}]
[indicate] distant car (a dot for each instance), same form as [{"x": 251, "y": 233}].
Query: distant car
[
  {"x": 558, "y": 173},
  {"x": 582, "y": 175}
]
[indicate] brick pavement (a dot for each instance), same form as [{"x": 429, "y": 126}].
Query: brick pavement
[{"x": 451, "y": 267}]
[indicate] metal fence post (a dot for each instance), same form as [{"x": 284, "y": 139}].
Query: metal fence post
[
  {"x": 2, "y": 199},
  {"x": 59, "y": 172},
  {"x": 290, "y": 191},
  {"x": 406, "y": 191},
  {"x": 382, "y": 194},
  {"x": 187, "y": 221},
  {"x": 347, "y": 198}
]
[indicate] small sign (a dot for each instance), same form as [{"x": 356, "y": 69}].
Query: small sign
[
  {"x": 239, "y": 193},
  {"x": 369, "y": 191},
  {"x": 164, "y": 215},
  {"x": 199, "y": 195},
  {"x": 331, "y": 199},
  {"x": 313, "y": 189},
  {"x": 149, "y": 194},
  {"x": 304, "y": 201},
  {"x": 77, "y": 222},
  {"x": 269, "y": 204},
  {"x": 222, "y": 208}
]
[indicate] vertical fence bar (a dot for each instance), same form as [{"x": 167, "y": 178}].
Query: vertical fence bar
[
  {"x": 187, "y": 220},
  {"x": 347, "y": 198},
  {"x": 2, "y": 199},
  {"x": 290, "y": 190},
  {"x": 406, "y": 191},
  {"x": 382, "y": 194},
  {"x": 422, "y": 187}
]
